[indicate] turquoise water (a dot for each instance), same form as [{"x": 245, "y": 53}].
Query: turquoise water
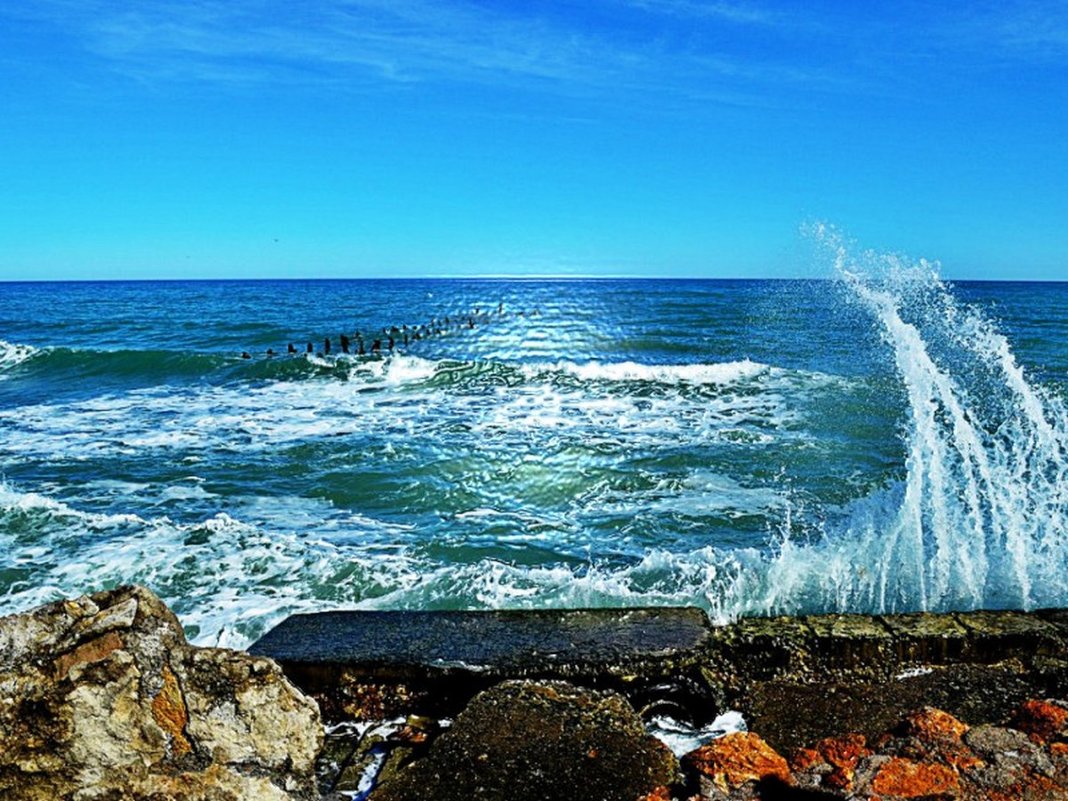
[{"x": 875, "y": 441}]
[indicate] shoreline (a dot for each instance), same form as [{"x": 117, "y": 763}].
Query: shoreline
[
  {"x": 794, "y": 679},
  {"x": 103, "y": 691}
]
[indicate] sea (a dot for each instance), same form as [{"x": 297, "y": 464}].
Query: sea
[{"x": 876, "y": 440}]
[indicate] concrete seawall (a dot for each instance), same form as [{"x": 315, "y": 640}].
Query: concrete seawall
[{"x": 796, "y": 679}]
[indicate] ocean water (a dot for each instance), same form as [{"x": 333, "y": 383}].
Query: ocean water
[{"x": 879, "y": 440}]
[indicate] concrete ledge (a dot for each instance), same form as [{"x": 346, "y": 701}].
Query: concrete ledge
[
  {"x": 367, "y": 664},
  {"x": 796, "y": 679},
  {"x": 487, "y": 641}
]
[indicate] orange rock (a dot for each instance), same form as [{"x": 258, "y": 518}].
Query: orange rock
[
  {"x": 1032, "y": 787},
  {"x": 963, "y": 759},
  {"x": 168, "y": 710},
  {"x": 845, "y": 751},
  {"x": 805, "y": 758},
  {"x": 904, "y": 778},
  {"x": 932, "y": 724},
  {"x": 842, "y": 753},
  {"x": 736, "y": 759},
  {"x": 1040, "y": 720}
]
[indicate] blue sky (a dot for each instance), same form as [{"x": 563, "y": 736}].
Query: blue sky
[{"x": 233, "y": 138}]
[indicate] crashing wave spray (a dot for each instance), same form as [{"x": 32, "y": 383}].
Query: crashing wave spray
[{"x": 981, "y": 519}]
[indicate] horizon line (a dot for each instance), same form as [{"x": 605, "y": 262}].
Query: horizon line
[{"x": 492, "y": 277}]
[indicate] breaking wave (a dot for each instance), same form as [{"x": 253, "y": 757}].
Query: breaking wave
[
  {"x": 14, "y": 354},
  {"x": 981, "y": 518}
]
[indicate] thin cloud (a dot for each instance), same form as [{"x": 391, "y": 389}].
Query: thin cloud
[
  {"x": 1026, "y": 29},
  {"x": 741, "y": 13},
  {"x": 370, "y": 43}
]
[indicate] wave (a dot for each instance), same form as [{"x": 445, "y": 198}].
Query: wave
[
  {"x": 396, "y": 369},
  {"x": 229, "y": 580},
  {"x": 713, "y": 373},
  {"x": 981, "y": 518},
  {"x": 745, "y": 401},
  {"x": 14, "y": 354},
  {"x": 226, "y": 579},
  {"x": 92, "y": 363}
]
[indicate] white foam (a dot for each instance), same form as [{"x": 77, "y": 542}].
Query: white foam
[
  {"x": 13, "y": 354},
  {"x": 401, "y": 369},
  {"x": 682, "y": 738},
  {"x": 227, "y": 580},
  {"x": 392, "y": 393},
  {"x": 714, "y": 373},
  {"x": 979, "y": 519}
]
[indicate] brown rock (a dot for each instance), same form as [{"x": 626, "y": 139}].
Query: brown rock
[
  {"x": 903, "y": 778},
  {"x": 1025, "y": 786},
  {"x": 806, "y": 759},
  {"x": 735, "y": 760},
  {"x": 85, "y": 654},
  {"x": 101, "y": 698},
  {"x": 831, "y": 763},
  {"x": 929, "y": 736},
  {"x": 1042, "y": 721}
]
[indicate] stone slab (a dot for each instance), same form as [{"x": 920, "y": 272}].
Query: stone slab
[
  {"x": 368, "y": 664},
  {"x": 486, "y": 641}
]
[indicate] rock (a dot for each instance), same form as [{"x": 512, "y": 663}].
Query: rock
[
  {"x": 994, "y": 636},
  {"x": 831, "y": 763},
  {"x": 738, "y": 761},
  {"x": 930, "y": 735},
  {"x": 903, "y": 778},
  {"x": 1008, "y": 748},
  {"x": 355, "y": 752},
  {"x": 797, "y": 680},
  {"x": 524, "y": 740},
  {"x": 102, "y": 698},
  {"x": 858, "y": 644},
  {"x": 1042, "y": 721},
  {"x": 932, "y": 724},
  {"x": 926, "y": 638}
]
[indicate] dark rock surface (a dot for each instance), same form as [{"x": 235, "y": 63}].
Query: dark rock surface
[
  {"x": 368, "y": 665},
  {"x": 795, "y": 679},
  {"x": 538, "y": 741}
]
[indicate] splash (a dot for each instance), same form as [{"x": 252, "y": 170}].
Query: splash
[{"x": 981, "y": 518}]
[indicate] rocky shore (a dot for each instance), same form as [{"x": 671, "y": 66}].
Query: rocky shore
[{"x": 102, "y": 698}]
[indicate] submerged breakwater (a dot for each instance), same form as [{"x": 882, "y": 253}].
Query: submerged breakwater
[{"x": 880, "y": 442}]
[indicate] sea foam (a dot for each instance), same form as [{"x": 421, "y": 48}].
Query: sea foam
[{"x": 14, "y": 354}]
